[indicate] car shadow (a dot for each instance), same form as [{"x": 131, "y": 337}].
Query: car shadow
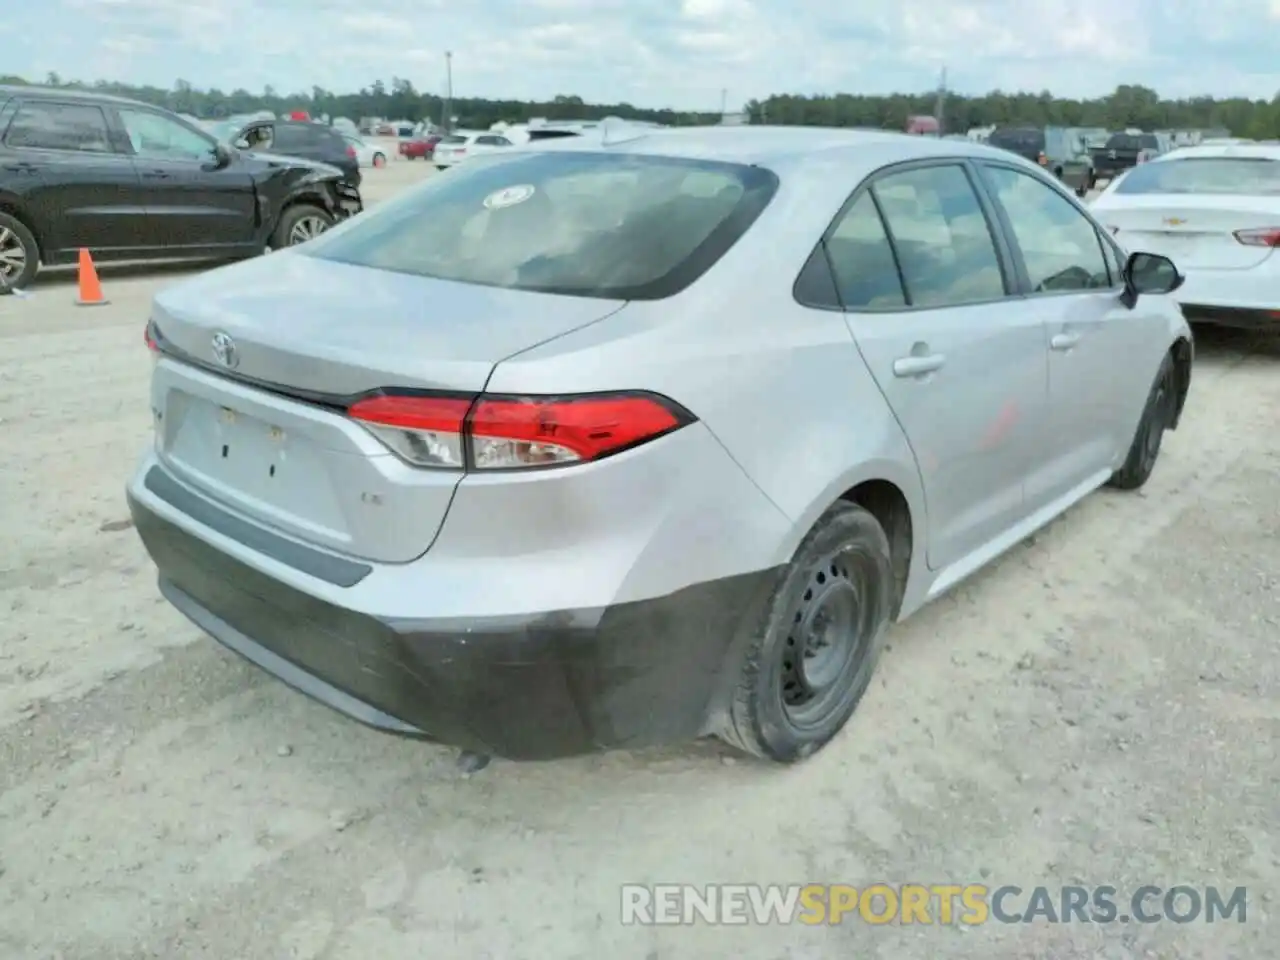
[
  {"x": 1232, "y": 342},
  {"x": 67, "y": 275}
]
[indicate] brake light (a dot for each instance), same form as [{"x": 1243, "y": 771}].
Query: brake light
[
  {"x": 351, "y": 151},
  {"x": 150, "y": 336},
  {"x": 1263, "y": 237},
  {"x": 503, "y": 433}
]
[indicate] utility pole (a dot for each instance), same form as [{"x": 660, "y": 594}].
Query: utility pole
[
  {"x": 446, "y": 112},
  {"x": 939, "y": 108}
]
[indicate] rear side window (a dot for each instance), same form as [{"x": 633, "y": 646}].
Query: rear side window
[
  {"x": 618, "y": 226},
  {"x": 862, "y": 259},
  {"x": 59, "y": 126},
  {"x": 291, "y": 137},
  {"x": 1231, "y": 176},
  {"x": 941, "y": 237}
]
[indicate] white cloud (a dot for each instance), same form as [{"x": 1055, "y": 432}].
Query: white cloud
[{"x": 675, "y": 52}]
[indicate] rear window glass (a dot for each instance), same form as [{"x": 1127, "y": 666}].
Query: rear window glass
[
  {"x": 453, "y": 139},
  {"x": 1236, "y": 176},
  {"x": 1130, "y": 141},
  {"x": 618, "y": 226},
  {"x": 1017, "y": 139}
]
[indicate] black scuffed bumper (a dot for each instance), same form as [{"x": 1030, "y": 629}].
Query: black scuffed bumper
[{"x": 532, "y": 688}]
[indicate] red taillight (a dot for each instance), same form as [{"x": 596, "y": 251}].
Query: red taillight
[
  {"x": 351, "y": 152},
  {"x": 1264, "y": 237},
  {"x": 504, "y": 433},
  {"x": 150, "y": 336}
]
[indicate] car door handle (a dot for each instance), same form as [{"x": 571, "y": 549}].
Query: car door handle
[
  {"x": 22, "y": 167},
  {"x": 918, "y": 366},
  {"x": 1064, "y": 341},
  {"x": 158, "y": 175}
]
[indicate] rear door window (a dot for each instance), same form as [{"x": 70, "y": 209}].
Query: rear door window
[
  {"x": 941, "y": 236},
  {"x": 617, "y": 226},
  {"x": 41, "y": 125}
]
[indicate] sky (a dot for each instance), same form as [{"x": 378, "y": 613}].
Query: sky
[{"x": 656, "y": 53}]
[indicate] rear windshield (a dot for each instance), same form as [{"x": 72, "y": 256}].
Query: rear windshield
[
  {"x": 1235, "y": 176},
  {"x": 1029, "y": 140},
  {"x": 453, "y": 138},
  {"x": 617, "y": 226},
  {"x": 1130, "y": 141}
]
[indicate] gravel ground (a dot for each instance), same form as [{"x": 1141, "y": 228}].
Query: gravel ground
[{"x": 1102, "y": 706}]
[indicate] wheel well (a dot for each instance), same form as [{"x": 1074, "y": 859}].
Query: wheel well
[
  {"x": 1181, "y": 352},
  {"x": 15, "y": 211},
  {"x": 885, "y": 502}
]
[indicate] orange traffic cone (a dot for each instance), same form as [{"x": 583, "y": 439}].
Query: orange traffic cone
[{"x": 90, "y": 286}]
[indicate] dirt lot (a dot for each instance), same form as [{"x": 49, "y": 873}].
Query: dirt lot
[{"x": 1101, "y": 707}]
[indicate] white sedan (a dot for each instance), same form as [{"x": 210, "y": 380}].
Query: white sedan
[
  {"x": 367, "y": 154},
  {"x": 457, "y": 147},
  {"x": 1214, "y": 210}
]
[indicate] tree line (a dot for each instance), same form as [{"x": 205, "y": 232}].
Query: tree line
[{"x": 1128, "y": 105}]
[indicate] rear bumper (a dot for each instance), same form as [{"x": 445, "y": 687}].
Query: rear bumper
[
  {"x": 528, "y": 688},
  {"x": 1248, "y": 299}
]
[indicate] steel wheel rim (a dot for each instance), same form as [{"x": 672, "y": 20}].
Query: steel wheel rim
[
  {"x": 829, "y": 630},
  {"x": 307, "y": 228},
  {"x": 13, "y": 255}
]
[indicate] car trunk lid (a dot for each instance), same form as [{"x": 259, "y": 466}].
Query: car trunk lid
[
  {"x": 257, "y": 422},
  {"x": 1195, "y": 233}
]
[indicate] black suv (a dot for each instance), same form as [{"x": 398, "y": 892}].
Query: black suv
[
  {"x": 129, "y": 181},
  {"x": 297, "y": 138}
]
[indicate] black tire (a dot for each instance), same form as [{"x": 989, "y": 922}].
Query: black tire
[
  {"x": 14, "y": 231},
  {"x": 838, "y": 592},
  {"x": 284, "y": 234},
  {"x": 1157, "y": 415}
]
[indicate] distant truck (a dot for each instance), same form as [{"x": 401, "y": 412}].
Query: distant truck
[
  {"x": 1124, "y": 151},
  {"x": 923, "y": 126}
]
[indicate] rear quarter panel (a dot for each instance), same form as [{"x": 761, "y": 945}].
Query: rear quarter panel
[{"x": 782, "y": 387}]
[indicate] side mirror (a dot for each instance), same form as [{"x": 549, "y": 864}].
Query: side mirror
[
  {"x": 1149, "y": 273},
  {"x": 221, "y": 156}
]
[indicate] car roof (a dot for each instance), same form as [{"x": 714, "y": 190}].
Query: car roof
[
  {"x": 768, "y": 146},
  {"x": 1258, "y": 151},
  {"x": 69, "y": 93}
]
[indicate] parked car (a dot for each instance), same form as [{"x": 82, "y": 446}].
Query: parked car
[
  {"x": 457, "y": 147},
  {"x": 419, "y": 147},
  {"x": 1216, "y": 211},
  {"x": 1056, "y": 149},
  {"x": 367, "y": 154},
  {"x": 129, "y": 181},
  {"x": 642, "y": 430},
  {"x": 1123, "y": 151},
  {"x": 309, "y": 141}
]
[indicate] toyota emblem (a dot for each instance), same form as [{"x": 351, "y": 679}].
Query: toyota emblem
[{"x": 224, "y": 350}]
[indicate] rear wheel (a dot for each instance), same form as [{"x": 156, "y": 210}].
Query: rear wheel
[
  {"x": 1162, "y": 403},
  {"x": 300, "y": 223},
  {"x": 812, "y": 655},
  {"x": 19, "y": 253}
]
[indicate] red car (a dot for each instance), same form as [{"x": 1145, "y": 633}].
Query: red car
[{"x": 416, "y": 147}]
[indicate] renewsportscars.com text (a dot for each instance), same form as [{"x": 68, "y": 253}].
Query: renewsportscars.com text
[{"x": 934, "y": 904}]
